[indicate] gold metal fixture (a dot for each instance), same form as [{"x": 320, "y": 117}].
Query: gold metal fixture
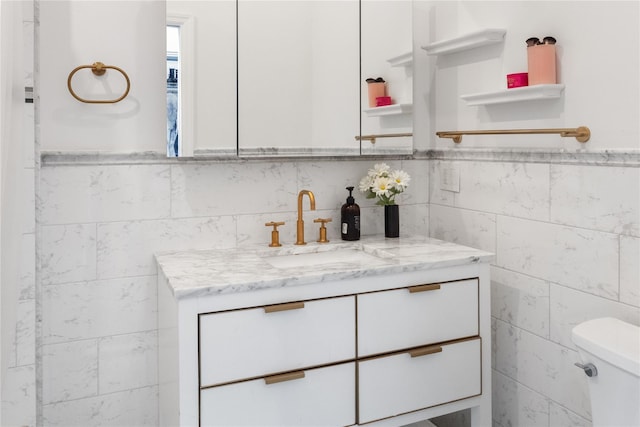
[
  {"x": 424, "y": 288},
  {"x": 581, "y": 133},
  {"x": 284, "y": 307},
  {"x": 425, "y": 350},
  {"x": 323, "y": 229},
  {"x": 372, "y": 138},
  {"x": 275, "y": 234},
  {"x": 98, "y": 68},
  {"x": 284, "y": 377},
  {"x": 300, "y": 223}
]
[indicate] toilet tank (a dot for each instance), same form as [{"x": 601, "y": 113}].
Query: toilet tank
[
  {"x": 613, "y": 346},
  {"x": 612, "y": 340}
]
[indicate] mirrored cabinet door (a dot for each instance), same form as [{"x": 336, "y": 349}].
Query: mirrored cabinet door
[
  {"x": 206, "y": 76},
  {"x": 387, "y": 55},
  {"x": 298, "y": 78},
  {"x": 273, "y": 78}
]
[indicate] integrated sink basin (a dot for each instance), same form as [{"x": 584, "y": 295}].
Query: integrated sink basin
[{"x": 334, "y": 257}]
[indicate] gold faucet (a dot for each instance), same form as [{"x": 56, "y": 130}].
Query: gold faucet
[{"x": 300, "y": 223}]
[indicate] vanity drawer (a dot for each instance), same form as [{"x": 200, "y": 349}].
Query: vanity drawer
[
  {"x": 256, "y": 342},
  {"x": 323, "y": 397},
  {"x": 418, "y": 315},
  {"x": 400, "y": 383}
]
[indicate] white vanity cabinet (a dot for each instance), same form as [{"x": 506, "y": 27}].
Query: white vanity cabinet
[
  {"x": 432, "y": 334},
  {"x": 242, "y": 344},
  {"x": 388, "y": 347}
]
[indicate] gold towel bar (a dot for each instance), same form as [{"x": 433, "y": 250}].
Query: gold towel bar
[
  {"x": 582, "y": 133},
  {"x": 372, "y": 138},
  {"x": 98, "y": 68}
]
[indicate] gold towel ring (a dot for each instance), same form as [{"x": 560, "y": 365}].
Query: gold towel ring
[{"x": 98, "y": 68}]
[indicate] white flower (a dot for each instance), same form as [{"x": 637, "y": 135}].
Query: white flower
[
  {"x": 384, "y": 184},
  {"x": 380, "y": 169},
  {"x": 365, "y": 184},
  {"x": 400, "y": 179}
]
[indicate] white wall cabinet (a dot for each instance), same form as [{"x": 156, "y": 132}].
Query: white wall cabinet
[{"x": 385, "y": 351}]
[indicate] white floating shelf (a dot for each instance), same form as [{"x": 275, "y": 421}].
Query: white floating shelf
[
  {"x": 465, "y": 42},
  {"x": 525, "y": 93},
  {"x": 404, "y": 60},
  {"x": 389, "y": 110}
]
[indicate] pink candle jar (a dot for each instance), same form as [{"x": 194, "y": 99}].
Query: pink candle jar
[{"x": 517, "y": 80}]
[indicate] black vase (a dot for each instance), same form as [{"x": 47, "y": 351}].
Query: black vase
[{"x": 391, "y": 221}]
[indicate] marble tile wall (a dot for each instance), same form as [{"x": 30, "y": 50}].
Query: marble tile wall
[
  {"x": 100, "y": 226},
  {"x": 551, "y": 271},
  {"x": 567, "y": 247}
]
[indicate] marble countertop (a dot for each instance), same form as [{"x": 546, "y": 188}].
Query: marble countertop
[{"x": 223, "y": 271}]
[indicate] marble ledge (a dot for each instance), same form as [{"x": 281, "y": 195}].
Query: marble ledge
[
  {"x": 215, "y": 272},
  {"x": 627, "y": 158}
]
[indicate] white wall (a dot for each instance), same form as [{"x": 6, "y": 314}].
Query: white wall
[
  {"x": 17, "y": 218},
  {"x": 126, "y": 34},
  {"x": 597, "y": 60}
]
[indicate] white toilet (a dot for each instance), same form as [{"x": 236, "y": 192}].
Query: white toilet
[{"x": 610, "y": 352}]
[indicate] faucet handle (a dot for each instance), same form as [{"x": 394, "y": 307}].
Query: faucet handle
[
  {"x": 275, "y": 234},
  {"x": 323, "y": 229}
]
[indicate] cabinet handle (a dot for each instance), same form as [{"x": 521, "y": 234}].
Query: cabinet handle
[
  {"x": 424, "y": 288},
  {"x": 425, "y": 350},
  {"x": 284, "y": 377},
  {"x": 283, "y": 307}
]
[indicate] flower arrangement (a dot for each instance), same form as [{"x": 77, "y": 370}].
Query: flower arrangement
[{"x": 384, "y": 184}]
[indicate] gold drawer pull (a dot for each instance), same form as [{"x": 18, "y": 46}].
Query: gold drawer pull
[
  {"x": 424, "y": 288},
  {"x": 283, "y": 307},
  {"x": 284, "y": 377},
  {"x": 425, "y": 350}
]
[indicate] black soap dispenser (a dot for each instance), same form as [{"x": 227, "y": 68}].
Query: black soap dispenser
[{"x": 350, "y": 222}]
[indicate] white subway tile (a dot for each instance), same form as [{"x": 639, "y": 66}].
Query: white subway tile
[
  {"x": 513, "y": 189},
  {"x": 70, "y": 194},
  {"x": 418, "y": 190},
  {"x": 131, "y": 408},
  {"x": 127, "y": 362},
  {"x": 26, "y": 332},
  {"x": 328, "y": 181},
  {"x": 436, "y": 194},
  {"x": 469, "y": 228},
  {"x": 543, "y": 366},
  {"x": 520, "y": 300},
  {"x": 598, "y": 198},
  {"x": 570, "y": 308},
  {"x": 83, "y": 310},
  {"x": 582, "y": 259},
  {"x": 233, "y": 189},
  {"x": 516, "y": 405},
  {"x": 561, "y": 416},
  {"x": 127, "y": 248},
  {"x": 414, "y": 220},
  {"x": 19, "y": 396},
  {"x": 630, "y": 270},
  {"x": 69, "y": 371},
  {"x": 68, "y": 253}
]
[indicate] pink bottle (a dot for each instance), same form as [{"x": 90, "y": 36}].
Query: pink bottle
[{"x": 541, "y": 59}]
